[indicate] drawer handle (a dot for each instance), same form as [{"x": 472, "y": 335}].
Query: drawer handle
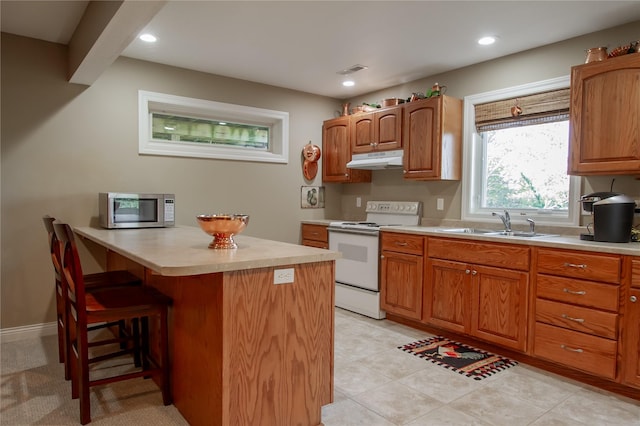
[
  {"x": 567, "y": 348},
  {"x": 576, "y": 265},
  {"x": 401, "y": 244},
  {"x": 577, "y": 293},
  {"x": 565, "y": 316}
]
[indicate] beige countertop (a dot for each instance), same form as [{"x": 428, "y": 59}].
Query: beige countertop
[
  {"x": 183, "y": 250},
  {"x": 572, "y": 242}
]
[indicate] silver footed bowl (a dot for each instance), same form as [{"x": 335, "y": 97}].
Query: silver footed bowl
[{"x": 222, "y": 227}]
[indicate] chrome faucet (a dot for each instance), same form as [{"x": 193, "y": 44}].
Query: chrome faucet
[
  {"x": 532, "y": 225},
  {"x": 506, "y": 220}
]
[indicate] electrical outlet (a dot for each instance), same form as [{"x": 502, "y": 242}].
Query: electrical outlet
[
  {"x": 440, "y": 204},
  {"x": 358, "y": 201},
  {"x": 283, "y": 276}
]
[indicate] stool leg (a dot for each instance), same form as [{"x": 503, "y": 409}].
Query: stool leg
[
  {"x": 164, "y": 349},
  {"x": 135, "y": 325},
  {"x": 144, "y": 322}
]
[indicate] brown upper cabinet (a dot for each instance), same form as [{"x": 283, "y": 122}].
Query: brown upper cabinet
[
  {"x": 432, "y": 137},
  {"x": 376, "y": 131},
  {"x": 336, "y": 152},
  {"x": 604, "y": 135}
]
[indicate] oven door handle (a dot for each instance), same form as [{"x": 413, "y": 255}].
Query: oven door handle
[{"x": 353, "y": 231}]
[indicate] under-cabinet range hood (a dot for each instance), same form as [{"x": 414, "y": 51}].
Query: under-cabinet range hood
[{"x": 377, "y": 160}]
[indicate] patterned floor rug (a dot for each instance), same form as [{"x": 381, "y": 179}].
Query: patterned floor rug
[{"x": 465, "y": 360}]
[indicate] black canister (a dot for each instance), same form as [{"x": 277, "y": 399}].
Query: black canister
[{"x": 613, "y": 219}]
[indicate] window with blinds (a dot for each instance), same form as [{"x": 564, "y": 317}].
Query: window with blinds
[
  {"x": 538, "y": 108},
  {"x": 516, "y": 151}
]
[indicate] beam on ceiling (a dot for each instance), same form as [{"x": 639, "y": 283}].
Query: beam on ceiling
[{"x": 105, "y": 30}]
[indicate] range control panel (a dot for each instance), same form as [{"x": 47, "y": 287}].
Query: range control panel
[{"x": 395, "y": 207}]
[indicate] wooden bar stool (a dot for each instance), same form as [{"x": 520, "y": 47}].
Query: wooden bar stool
[
  {"x": 92, "y": 283},
  {"x": 107, "y": 305}
]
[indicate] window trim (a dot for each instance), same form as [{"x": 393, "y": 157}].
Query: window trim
[
  {"x": 470, "y": 148},
  {"x": 149, "y": 102}
]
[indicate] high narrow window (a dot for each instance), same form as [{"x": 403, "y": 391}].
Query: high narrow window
[{"x": 178, "y": 126}]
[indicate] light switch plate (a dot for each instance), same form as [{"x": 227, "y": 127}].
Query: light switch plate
[{"x": 283, "y": 276}]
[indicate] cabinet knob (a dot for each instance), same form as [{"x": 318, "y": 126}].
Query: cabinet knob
[
  {"x": 474, "y": 272},
  {"x": 633, "y": 299},
  {"x": 467, "y": 271}
]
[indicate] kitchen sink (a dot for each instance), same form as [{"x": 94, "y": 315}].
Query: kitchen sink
[
  {"x": 494, "y": 233},
  {"x": 468, "y": 231},
  {"x": 521, "y": 234}
]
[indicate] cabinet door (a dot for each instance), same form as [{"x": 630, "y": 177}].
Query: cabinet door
[
  {"x": 421, "y": 132},
  {"x": 401, "y": 284},
  {"x": 388, "y": 129},
  {"x": 337, "y": 153},
  {"x": 631, "y": 342},
  {"x": 499, "y": 306},
  {"x": 604, "y": 115},
  {"x": 376, "y": 131},
  {"x": 362, "y": 132},
  {"x": 446, "y": 295}
]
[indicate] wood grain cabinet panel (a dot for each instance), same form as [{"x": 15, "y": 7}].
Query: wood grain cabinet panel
[
  {"x": 631, "y": 340},
  {"x": 591, "y": 321},
  {"x": 582, "y": 265},
  {"x": 579, "y": 292},
  {"x": 577, "y": 309},
  {"x": 402, "y": 274},
  {"x": 315, "y": 235},
  {"x": 336, "y": 153},
  {"x": 631, "y": 330},
  {"x": 486, "y": 302},
  {"x": 432, "y": 138},
  {"x": 595, "y": 355},
  {"x": 376, "y": 131},
  {"x": 604, "y": 135}
]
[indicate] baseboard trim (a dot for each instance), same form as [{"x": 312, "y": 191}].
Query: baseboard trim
[{"x": 13, "y": 334}]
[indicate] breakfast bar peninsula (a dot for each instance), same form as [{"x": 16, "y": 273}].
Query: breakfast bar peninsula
[{"x": 251, "y": 329}]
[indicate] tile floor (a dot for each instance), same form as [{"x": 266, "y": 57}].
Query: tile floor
[{"x": 377, "y": 384}]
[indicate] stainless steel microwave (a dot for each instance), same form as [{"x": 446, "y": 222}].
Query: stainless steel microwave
[{"x": 120, "y": 210}]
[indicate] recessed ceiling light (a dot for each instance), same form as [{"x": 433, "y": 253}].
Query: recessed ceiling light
[
  {"x": 149, "y": 38},
  {"x": 348, "y": 83},
  {"x": 485, "y": 41}
]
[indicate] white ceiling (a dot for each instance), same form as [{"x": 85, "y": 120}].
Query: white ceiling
[{"x": 301, "y": 45}]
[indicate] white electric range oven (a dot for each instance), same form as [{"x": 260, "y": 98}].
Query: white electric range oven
[{"x": 357, "y": 272}]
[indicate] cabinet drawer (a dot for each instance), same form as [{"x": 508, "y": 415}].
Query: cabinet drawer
[
  {"x": 403, "y": 243},
  {"x": 579, "y": 292},
  {"x": 592, "y": 354},
  {"x": 575, "y": 264},
  {"x": 635, "y": 273},
  {"x": 318, "y": 244},
  {"x": 585, "y": 320},
  {"x": 499, "y": 255},
  {"x": 315, "y": 232}
]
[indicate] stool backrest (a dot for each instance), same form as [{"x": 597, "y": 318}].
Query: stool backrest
[
  {"x": 72, "y": 273},
  {"x": 54, "y": 246}
]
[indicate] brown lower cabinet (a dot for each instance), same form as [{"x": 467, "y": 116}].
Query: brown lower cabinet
[
  {"x": 573, "y": 312},
  {"x": 315, "y": 235},
  {"x": 631, "y": 329},
  {"x": 401, "y": 274},
  {"x": 471, "y": 289},
  {"x": 577, "y": 309}
]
